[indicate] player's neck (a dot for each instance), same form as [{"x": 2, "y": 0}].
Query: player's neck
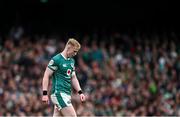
[{"x": 63, "y": 53}]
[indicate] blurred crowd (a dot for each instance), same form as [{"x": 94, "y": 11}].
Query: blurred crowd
[{"x": 121, "y": 74}]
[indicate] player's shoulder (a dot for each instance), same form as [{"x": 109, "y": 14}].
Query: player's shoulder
[{"x": 56, "y": 57}]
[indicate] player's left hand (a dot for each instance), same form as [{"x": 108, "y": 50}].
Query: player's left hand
[{"x": 82, "y": 97}]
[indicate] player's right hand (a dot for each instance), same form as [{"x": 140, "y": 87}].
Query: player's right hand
[{"x": 45, "y": 99}]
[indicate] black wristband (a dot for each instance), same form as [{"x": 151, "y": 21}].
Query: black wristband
[
  {"x": 80, "y": 92},
  {"x": 44, "y": 92}
]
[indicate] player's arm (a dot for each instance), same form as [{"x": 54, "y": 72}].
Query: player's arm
[
  {"x": 52, "y": 66},
  {"x": 50, "y": 69},
  {"x": 45, "y": 82},
  {"x": 48, "y": 73},
  {"x": 75, "y": 82},
  {"x": 76, "y": 86}
]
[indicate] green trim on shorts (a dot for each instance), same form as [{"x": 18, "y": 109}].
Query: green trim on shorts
[{"x": 60, "y": 101}]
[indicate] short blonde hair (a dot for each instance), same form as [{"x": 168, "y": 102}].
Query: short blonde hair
[{"x": 74, "y": 43}]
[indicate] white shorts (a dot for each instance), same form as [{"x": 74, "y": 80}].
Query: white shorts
[{"x": 61, "y": 100}]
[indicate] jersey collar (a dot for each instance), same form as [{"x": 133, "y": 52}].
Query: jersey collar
[{"x": 64, "y": 57}]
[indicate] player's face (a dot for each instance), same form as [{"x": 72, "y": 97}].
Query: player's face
[{"x": 72, "y": 52}]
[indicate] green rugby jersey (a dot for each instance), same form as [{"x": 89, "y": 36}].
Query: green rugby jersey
[{"x": 61, "y": 78}]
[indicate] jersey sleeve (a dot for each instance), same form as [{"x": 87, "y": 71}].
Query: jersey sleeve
[{"x": 53, "y": 64}]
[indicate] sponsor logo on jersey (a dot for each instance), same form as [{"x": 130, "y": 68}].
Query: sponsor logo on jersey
[
  {"x": 64, "y": 65},
  {"x": 68, "y": 72}
]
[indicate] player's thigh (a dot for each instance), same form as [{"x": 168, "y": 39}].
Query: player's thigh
[
  {"x": 68, "y": 111},
  {"x": 56, "y": 112}
]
